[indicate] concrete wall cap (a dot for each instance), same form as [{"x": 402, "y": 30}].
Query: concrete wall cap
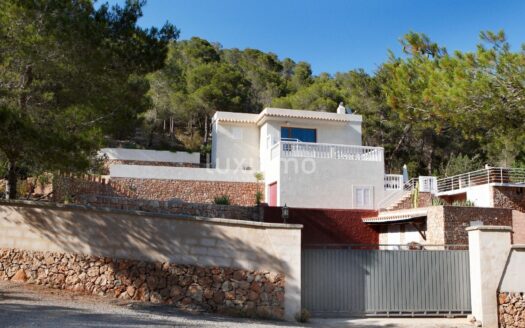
[
  {"x": 75, "y": 207},
  {"x": 518, "y": 246},
  {"x": 490, "y": 228}
]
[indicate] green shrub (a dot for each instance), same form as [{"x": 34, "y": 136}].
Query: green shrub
[
  {"x": 222, "y": 200},
  {"x": 465, "y": 203},
  {"x": 438, "y": 201},
  {"x": 302, "y": 316}
]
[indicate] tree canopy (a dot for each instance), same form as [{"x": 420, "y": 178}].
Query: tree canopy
[
  {"x": 75, "y": 77},
  {"x": 427, "y": 106},
  {"x": 71, "y": 74}
]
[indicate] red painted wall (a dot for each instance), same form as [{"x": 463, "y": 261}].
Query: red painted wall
[{"x": 328, "y": 226}]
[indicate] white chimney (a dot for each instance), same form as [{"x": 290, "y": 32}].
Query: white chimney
[{"x": 341, "y": 109}]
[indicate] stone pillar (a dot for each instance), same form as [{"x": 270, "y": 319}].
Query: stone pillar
[{"x": 489, "y": 247}]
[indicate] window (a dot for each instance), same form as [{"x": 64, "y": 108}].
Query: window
[
  {"x": 363, "y": 197},
  {"x": 298, "y": 134}
]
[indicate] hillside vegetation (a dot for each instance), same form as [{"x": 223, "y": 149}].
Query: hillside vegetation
[
  {"x": 438, "y": 111},
  {"x": 75, "y": 77}
]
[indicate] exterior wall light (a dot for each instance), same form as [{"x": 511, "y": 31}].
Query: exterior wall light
[{"x": 285, "y": 213}]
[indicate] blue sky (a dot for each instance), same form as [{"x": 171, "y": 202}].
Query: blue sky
[{"x": 337, "y": 35}]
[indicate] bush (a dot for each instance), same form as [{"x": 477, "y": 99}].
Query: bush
[
  {"x": 222, "y": 200},
  {"x": 466, "y": 203},
  {"x": 438, "y": 201},
  {"x": 302, "y": 316}
]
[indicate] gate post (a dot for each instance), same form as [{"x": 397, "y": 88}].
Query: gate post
[{"x": 489, "y": 247}]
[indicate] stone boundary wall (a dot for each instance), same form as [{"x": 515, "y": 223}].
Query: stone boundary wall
[
  {"x": 252, "y": 213},
  {"x": 446, "y": 224},
  {"x": 458, "y": 218},
  {"x": 509, "y": 197},
  {"x": 157, "y": 238},
  {"x": 511, "y": 310},
  {"x": 240, "y": 193},
  {"x": 213, "y": 289}
]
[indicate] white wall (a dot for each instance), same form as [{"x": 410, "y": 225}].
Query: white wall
[
  {"x": 512, "y": 279},
  {"x": 330, "y": 184},
  {"x": 180, "y": 173},
  {"x": 150, "y": 155},
  {"x": 488, "y": 251},
  {"x": 345, "y": 133},
  {"x": 235, "y": 145},
  {"x": 480, "y": 195}
]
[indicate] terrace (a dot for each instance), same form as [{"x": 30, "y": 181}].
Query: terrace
[{"x": 491, "y": 175}]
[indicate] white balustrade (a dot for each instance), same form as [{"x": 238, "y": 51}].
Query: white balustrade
[
  {"x": 393, "y": 181},
  {"x": 328, "y": 151}
]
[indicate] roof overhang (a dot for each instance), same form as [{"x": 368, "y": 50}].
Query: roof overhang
[
  {"x": 398, "y": 217},
  {"x": 276, "y": 113}
]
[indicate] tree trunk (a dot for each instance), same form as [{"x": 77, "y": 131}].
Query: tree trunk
[
  {"x": 11, "y": 181},
  {"x": 205, "y": 129}
]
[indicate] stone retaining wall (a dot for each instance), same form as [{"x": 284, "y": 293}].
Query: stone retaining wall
[
  {"x": 250, "y": 213},
  {"x": 239, "y": 193},
  {"x": 215, "y": 289},
  {"x": 511, "y": 310},
  {"x": 156, "y": 238},
  {"x": 509, "y": 197}
]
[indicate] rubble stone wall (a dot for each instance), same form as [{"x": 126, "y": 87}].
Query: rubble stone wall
[
  {"x": 239, "y": 193},
  {"x": 511, "y": 310},
  {"x": 458, "y": 218},
  {"x": 509, "y": 197},
  {"x": 250, "y": 213},
  {"x": 214, "y": 289}
]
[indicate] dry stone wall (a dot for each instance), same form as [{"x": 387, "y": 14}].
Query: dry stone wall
[
  {"x": 239, "y": 193},
  {"x": 250, "y": 213},
  {"x": 458, "y": 218},
  {"x": 215, "y": 289},
  {"x": 511, "y": 309},
  {"x": 509, "y": 197}
]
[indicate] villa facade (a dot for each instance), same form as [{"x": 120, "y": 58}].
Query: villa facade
[{"x": 309, "y": 159}]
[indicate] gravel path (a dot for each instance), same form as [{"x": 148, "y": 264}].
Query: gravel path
[
  {"x": 35, "y": 306},
  {"x": 23, "y": 305}
]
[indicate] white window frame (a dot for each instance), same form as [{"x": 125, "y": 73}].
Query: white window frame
[{"x": 365, "y": 205}]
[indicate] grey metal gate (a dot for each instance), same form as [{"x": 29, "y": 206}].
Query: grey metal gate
[{"x": 380, "y": 282}]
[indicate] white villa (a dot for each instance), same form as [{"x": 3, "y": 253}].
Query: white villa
[{"x": 309, "y": 159}]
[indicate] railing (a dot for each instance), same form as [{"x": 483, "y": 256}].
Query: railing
[
  {"x": 500, "y": 175},
  {"x": 393, "y": 181},
  {"x": 397, "y": 194},
  {"x": 329, "y": 151}
]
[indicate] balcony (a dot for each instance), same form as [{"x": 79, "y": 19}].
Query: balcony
[
  {"x": 296, "y": 149},
  {"x": 496, "y": 175}
]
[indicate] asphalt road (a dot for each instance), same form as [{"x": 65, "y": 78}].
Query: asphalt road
[{"x": 23, "y": 305}]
